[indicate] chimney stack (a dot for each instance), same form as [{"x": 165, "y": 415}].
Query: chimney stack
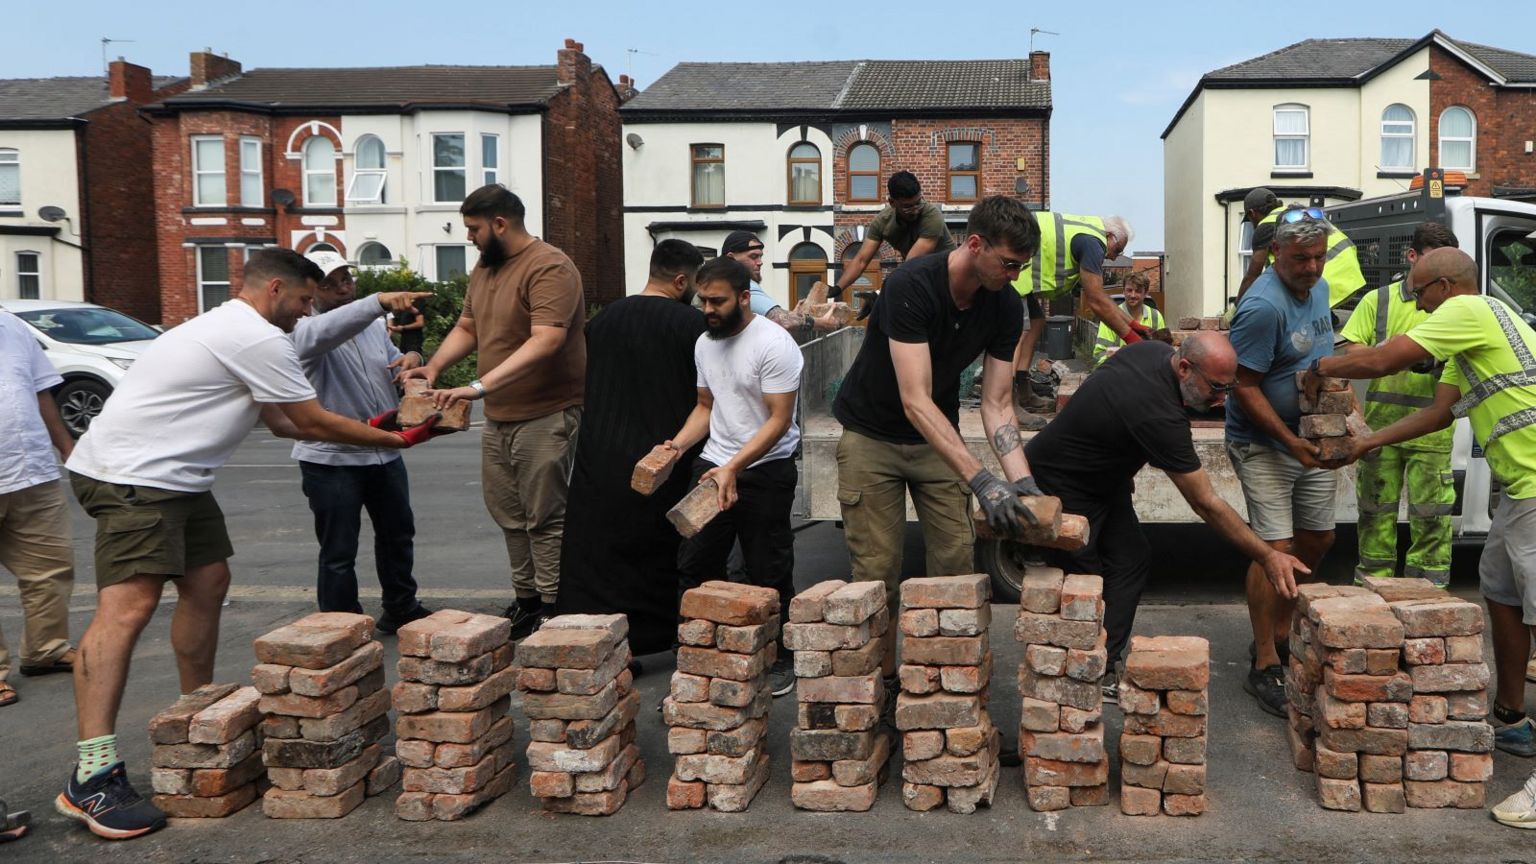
[
  {"x": 572, "y": 66},
  {"x": 1039, "y": 65},
  {"x": 210, "y": 68},
  {"x": 129, "y": 82},
  {"x": 626, "y": 89}
]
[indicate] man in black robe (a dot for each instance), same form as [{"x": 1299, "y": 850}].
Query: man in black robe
[{"x": 619, "y": 553}]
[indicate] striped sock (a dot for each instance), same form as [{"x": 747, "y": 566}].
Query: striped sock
[{"x": 96, "y": 755}]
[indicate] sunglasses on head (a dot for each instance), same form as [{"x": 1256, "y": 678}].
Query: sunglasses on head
[{"x": 1304, "y": 214}]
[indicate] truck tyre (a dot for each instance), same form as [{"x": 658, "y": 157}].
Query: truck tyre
[{"x": 1004, "y": 561}]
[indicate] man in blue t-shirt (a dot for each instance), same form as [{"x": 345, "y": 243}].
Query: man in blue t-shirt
[
  {"x": 1281, "y": 326},
  {"x": 746, "y": 248}
]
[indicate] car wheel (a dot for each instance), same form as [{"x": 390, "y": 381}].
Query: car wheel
[
  {"x": 79, "y": 403},
  {"x": 1005, "y": 561}
]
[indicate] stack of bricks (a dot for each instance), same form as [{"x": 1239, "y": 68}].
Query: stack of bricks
[
  {"x": 717, "y": 711},
  {"x": 949, "y": 744},
  {"x": 454, "y": 733},
  {"x": 581, "y": 703},
  {"x": 1061, "y": 733},
  {"x": 1164, "y": 695},
  {"x": 207, "y": 752},
  {"x": 1332, "y": 419},
  {"x": 1450, "y": 742},
  {"x": 840, "y": 755},
  {"x": 322, "y": 685}
]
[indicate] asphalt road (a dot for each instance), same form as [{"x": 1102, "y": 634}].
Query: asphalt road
[{"x": 1260, "y": 808}]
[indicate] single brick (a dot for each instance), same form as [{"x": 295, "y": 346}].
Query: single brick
[
  {"x": 226, "y": 719},
  {"x": 653, "y": 469},
  {"x": 284, "y": 804},
  {"x": 695, "y": 510},
  {"x": 171, "y": 726},
  {"x": 730, "y": 603},
  {"x": 1040, "y": 590},
  {"x": 459, "y": 727},
  {"x": 1322, "y": 426},
  {"x": 1082, "y": 598},
  {"x": 808, "y": 607},
  {"x": 565, "y": 649},
  {"x": 316, "y": 641},
  {"x": 946, "y": 592},
  {"x": 854, "y": 603}
]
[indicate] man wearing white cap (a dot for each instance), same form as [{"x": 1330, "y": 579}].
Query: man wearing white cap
[{"x": 348, "y": 357}]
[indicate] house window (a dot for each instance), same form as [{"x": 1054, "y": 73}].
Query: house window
[
  {"x": 368, "y": 173},
  {"x": 708, "y": 175},
  {"x": 807, "y": 266},
  {"x": 490, "y": 159},
  {"x": 804, "y": 174},
  {"x": 964, "y": 171},
  {"x": 1244, "y": 245},
  {"x": 10, "y": 177},
  {"x": 29, "y": 276},
  {"x": 374, "y": 255},
  {"x": 322, "y": 247},
  {"x": 1291, "y": 134},
  {"x": 864, "y": 173},
  {"x": 1458, "y": 139},
  {"x": 207, "y": 171},
  {"x": 451, "y": 262},
  {"x": 212, "y": 277},
  {"x": 319, "y": 172},
  {"x": 251, "y": 192},
  {"x": 1397, "y": 138},
  {"x": 448, "y": 177}
]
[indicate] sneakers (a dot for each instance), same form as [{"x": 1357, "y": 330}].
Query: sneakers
[
  {"x": 1110, "y": 684},
  {"x": 388, "y": 623},
  {"x": 524, "y": 620},
  {"x": 109, "y": 805},
  {"x": 1519, "y": 809},
  {"x": 1530, "y": 670},
  {"x": 781, "y": 676},
  {"x": 1518, "y": 739},
  {"x": 1267, "y": 687}
]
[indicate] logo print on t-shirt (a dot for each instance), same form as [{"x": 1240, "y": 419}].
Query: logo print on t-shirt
[{"x": 1301, "y": 340}]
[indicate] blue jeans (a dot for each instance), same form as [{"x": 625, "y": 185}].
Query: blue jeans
[{"x": 337, "y": 495}]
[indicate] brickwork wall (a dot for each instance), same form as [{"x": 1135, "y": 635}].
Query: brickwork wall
[{"x": 1506, "y": 119}]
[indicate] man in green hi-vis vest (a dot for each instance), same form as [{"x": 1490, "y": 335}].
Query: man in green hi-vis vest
[{"x": 1342, "y": 266}]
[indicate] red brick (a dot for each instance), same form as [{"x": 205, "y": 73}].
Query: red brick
[
  {"x": 856, "y": 661},
  {"x": 1187, "y": 702},
  {"x": 730, "y": 603},
  {"x": 364, "y": 710},
  {"x": 695, "y": 510},
  {"x": 864, "y": 689},
  {"x": 723, "y": 664},
  {"x": 697, "y": 631},
  {"x": 1064, "y": 746},
  {"x": 1427, "y": 709},
  {"x": 1183, "y": 805},
  {"x": 1426, "y": 765},
  {"x": 206, "y": 807},
  {"x": 1446, "y": 616},
  {"x": 383, "y": 777},
  {"x": 1089, "y": 664},
  {"x": 316, "y": 641},
  {"x": 322, "y": 682},
  {"x": 1338, "y": 794},
  {"x": 1041, "y": 590},
  {"x": 427, "y": 671},
  {"x": 967, "y": 679},
  {"x": 826, "y": 637},
  {"x": 869, "y": 770},
  {"x": 946, "y": 592},
  {"x": 690, "y": 688},
  {"x": 451, "y": 726},
  {"x": 1380, "y": 742},
  {"x": 1035, "y": 629},
  {"x": 473, "y": 697},
  {"x": 936, "y": 711},
  {"x": 449, "y": 808},
  {"x": 568, "y": 706},
  {"x": 1335, "y": 765},
  {"x": 1140, "y": 749},
  {"x": 1338, "y": 714},
  {"x": 1449, "y": 678},
  {"x": 1387, "y": 715},
  {"x": 732, "y": 798},
  {"x": 226, "y": 719},
  {"x": 1082, "y": 598},
  {"x": 653, "y": 469},
  {"x": 1046, "y": 659},
  {"x": 1463, "y": 649},
  {"x": 1368, "y": 688},
  {"x": 828, "y": 796},
  {"x": 809, "y": 606},
  {"x": 565, "y": 649},
  {"x": 477, "y": 634},
  {"x": 683, "y": 795},
  {"x": 964, "y": 622},
  {"x": 735, "y": 742},
  {"x": 854, "y": 603},
  {"x": 1445, "y": 793},
  {"x": 703, "y": 715},
  {"x": 746, "y": 640},
  {"x": 204, "y": 755},
  {"x": 944, "y": 650},
  {"x": 809, "y": 772},
  {"x": 172, "y": 725},
  {"x": 284, "y": 804},
  {"x": 1048, "y": 772},
  {"x": 1373, "y": 628},
  {"x": 1063, "y": 691},
  {"x": 270, "y": 677},
  {"x": 1471, "y": 767},
  {"x": 1136, "y": 801},
  {"x": 459, "y": 755},
  {"x": 919, "y": 680},
  {"x": 215, "y": 782}
]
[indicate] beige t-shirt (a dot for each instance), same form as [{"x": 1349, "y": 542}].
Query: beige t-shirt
[{"x": 537, "y": 286}]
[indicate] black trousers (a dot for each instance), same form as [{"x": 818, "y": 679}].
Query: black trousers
[
  {"x": 1118, "y": 551},
  {"x": 760, "y": 521},
  {"x": 337, "y": 495}
]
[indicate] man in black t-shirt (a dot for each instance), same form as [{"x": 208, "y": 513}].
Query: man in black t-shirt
[
  {"x": 411, "y": 325},
  {"x": 1130, "y": 413},
  {"x": 900, "y": 402}
]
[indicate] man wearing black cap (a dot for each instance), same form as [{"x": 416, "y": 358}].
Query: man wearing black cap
[
  {"x": 746, "y": 248},
  {"x": 1341, "y": 269},
  {"x": 911, "y": 225},
  {"x": 1258, "y": 203}
]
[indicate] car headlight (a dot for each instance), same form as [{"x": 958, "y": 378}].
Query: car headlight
[{"x": 120, "y": 362}]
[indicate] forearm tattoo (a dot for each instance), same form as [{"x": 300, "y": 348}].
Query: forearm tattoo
[{"x": 1006, "y": 440}]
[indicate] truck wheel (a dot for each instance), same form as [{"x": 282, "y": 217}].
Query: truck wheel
[
  {"x": 1004, "y": 561},
  {"x": 79, "y": 402}
]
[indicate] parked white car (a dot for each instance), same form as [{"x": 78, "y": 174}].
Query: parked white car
[{"x": 91, "y": 346}]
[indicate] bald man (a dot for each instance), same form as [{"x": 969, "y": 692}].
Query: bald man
[{"x": 1134, "y": 411}]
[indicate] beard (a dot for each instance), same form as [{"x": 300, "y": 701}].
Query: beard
[
  {"x": 688, "y": 295},
  {"x": 493, "y": 255},
  {"x": 1189, "y": 394},
  {"x": 727, "y": 325}
]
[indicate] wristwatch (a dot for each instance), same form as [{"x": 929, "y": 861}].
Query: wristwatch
[{"x": 477, "y": 386}]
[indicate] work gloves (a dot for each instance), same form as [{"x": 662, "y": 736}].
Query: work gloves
[
  {"x": 1026, "y": 486},
  {"x": 389, "y": 422},
  {"x": 1135, "y": 333},
  {"x": 999, "y": 503}
]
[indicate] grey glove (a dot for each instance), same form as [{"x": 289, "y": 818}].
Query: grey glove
[
  {"x": 999, "y": 503},
  {"x": 1027, "y": 487}
]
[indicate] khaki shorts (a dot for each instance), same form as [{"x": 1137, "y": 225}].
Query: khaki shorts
[
  {"x": 1282, "y": 496},
  {"x": 144, "y": 531}
]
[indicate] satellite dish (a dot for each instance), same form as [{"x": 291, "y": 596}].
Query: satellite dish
[
  {"x": 634, "y": 140},
  {"x": 282, "y": 197},
  {"x": 52, "y": 214}
]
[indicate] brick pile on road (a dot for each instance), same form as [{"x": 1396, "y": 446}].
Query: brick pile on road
[
  {"x": 1165, "y": 697},
  {"x": 322, "y": 685},
  {"x": 581, "y": 703},
  {"x": 717, "y": 710},
  {"x": 1450, "y": 743},
  {"x": 454, "y": 733},
  {"x": 949, "y": 744},
  {"x": 1061, "y": 730},
  {"x": 207, "y": 752},
  {"x": 840, "y": 753}
]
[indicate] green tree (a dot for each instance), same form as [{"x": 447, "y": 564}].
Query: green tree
[{"x": 442, "y": 310}]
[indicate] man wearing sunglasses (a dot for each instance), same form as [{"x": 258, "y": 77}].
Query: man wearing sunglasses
[
  {"x": 911, "y": 225},
  {"x": 1342, "y": 268},
  {"x": 1489, "y": 378},
  {"x": 1133, "y": 412}
]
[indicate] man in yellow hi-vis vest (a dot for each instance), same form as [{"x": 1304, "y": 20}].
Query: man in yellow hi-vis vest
[
  {"x": 1341, "y": 268},
  {"x": 1489, "y": 378},
  {"x": 1135, "y": 289},
  {"x": 1421, "y": 466}
]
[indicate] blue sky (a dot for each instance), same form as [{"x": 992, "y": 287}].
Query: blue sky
[{"x": 1120, "y": 69}]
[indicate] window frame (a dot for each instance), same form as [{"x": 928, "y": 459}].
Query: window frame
[
  {"x": 1471, "y": 140},
  {"x": 248, "y": 172},
  {"x": 875, "y": 199},
  {"x": 804, "y": 266},
  {"x": 14, "y": 154},
  {"x": 490, "y": 174},
  {"x": 36, "y": 273},
  {"x": 437, "y": 264},
  {"x": 1412, "y": 137},
  {"x": 462, "y": 169},
  {"x": 328, "y": 171},
  {"x": 790, "y": 161},
  {"x": 1305, "y": 137},
  {"x": 950, "y": 173},
  {"x": 202, "y": 284},
  {"x": 381, "y": 172},
  {"x": 387, "y": 263},
  {"x": 199, "y": 172},
  {"x": 693, "y": 175}
]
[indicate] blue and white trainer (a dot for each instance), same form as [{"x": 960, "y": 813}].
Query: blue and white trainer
[{"x": 109, "y": 805}]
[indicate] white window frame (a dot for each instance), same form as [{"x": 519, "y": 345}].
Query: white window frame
[
  {"x": 491, "y": 174},
  {"x": 1471, "y": 140},
  {"x": 360, "y": 173},
  {"x": 12, "y": 156},
  {"x": 462, "y": 169},
  {"x": 1411, "y": 135},
  {"x": 36, "y": 273},
  {"x": 1244, "y": 246},
  {"x": 250, "y": 170},
  {"x": 437, "y": 265},
  {"x": 386, "y": 264},
  {"x": 329, "y": 171},
  {"x": 1305, "y": 136},
  {"x": 202, "y": 285},
  {"x": 199, "y": 171}
]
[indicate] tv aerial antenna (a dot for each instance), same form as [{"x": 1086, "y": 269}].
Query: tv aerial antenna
[
  {"x": 1033, "y": 31},
  {"x": 105, "y": 41}
]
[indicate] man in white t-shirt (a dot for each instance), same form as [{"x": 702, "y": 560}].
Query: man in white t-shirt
[
  {"x": 749, "y": 378},
  {"x": 145, "y": 472}
]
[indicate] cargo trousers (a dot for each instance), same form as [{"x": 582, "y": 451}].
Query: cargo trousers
[{"x": 1380, "y": 482}]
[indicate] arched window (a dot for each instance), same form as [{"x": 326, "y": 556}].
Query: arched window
[
  {"x": 374, "y": 255},
  {"x": 321, "y": 247},
  {"x": 1397, "y": 138},
  {"x": 1458, "y": 139},
  {"x": 319, "y": 172},
  {"x": 1293, "y": 132},
  {"x": 804, "y": 174},
  {"x": 863, "y": 173},
  {"x": 807, "y": 266},
  {"x": 368, "y": 172}
]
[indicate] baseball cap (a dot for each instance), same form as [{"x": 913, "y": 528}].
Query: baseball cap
[
  {"x": 328, "y": 262},
  {"x": 739, "y": 241},
  {"x": 1259, "y": 198}
]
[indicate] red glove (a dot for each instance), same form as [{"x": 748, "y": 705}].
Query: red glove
[
  {"x": 1135, "y": 333},
  {"x": 387, "y": 421},
  {"x": 419, "y": 433}
]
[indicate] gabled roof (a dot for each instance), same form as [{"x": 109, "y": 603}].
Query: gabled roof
[
  {"x": 384, "y": 88},
  {"x": 843, "y": 86},
  {"x": 57, "y": 99}
]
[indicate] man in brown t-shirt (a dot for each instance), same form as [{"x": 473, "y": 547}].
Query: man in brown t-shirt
[{"x": 524, "y": 313}]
